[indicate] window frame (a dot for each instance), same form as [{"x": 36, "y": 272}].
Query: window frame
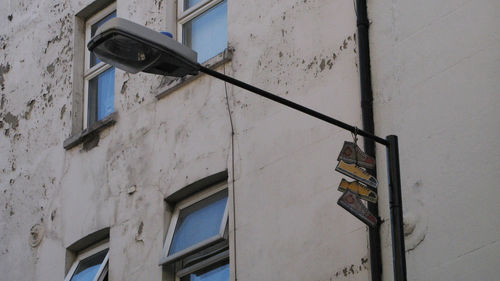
[
  {"x": 185, "y": 16},
  {"x": 220, "y": 236},
  {"x": 221, "y": 257},
  {"x": 103, "y": 268},
  {"x": 91, "y": 72}
]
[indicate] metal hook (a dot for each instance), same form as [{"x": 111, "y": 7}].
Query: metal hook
[{"x": 355, "y": 137}]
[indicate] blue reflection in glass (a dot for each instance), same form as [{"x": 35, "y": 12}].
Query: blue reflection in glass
[
  {"x": 217, "y": 274},
  {"x": 207, "y": 33},
  {"x": 86, "y": 275},
  {"x": 87, "y": 269},
  {"x": 93, "y": 58},
  {"x": 106, "y": 93},
  {"x": 190, "y": 3},
  {"x": 198, "y": 222}
]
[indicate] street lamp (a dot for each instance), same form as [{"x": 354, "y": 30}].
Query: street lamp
[{"x": 135, "y": 48}]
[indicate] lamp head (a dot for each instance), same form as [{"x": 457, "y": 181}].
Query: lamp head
[{"x": 134, "y": 48}]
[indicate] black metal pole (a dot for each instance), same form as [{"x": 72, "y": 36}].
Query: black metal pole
[
  {"x": 291, "y": 104},
  {"x": 396, "y": 205}
]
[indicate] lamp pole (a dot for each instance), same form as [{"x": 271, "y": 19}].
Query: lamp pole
[{"x": 391, "y": 144}]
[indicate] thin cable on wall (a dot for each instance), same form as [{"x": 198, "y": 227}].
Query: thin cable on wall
[{"x": 232, "y": 175}]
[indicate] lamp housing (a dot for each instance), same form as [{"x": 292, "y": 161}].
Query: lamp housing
[{"x": 135, "y": 48}]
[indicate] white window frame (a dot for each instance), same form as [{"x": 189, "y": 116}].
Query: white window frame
[
  {"x": 175, "y": 216},
  {"x": 92, "y": 72},
  {"x": 103, "y": 269},
  {"x": 203, "y": 264},
  {"x": 191, "y": 13}
]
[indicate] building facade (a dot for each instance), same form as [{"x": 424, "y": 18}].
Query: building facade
[{"x": 109, "y": 175}]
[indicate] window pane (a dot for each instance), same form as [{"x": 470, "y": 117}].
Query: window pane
[
  {"x": 190, "y": 3},
  {"x": 199, "y": 222},
  {"x": 101, "y": 96},
  {"x": 93, "y": 59},
  {"x": 88, "y": 268},
  {"x": 218, "y": 273},
  {"x": 106, "y": 93},
  {"x": 207, "y": 33}
]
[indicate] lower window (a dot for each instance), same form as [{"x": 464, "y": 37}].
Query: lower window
[
  {"x": 91, "y": 265},
  {"x": 197, "y": 240}
]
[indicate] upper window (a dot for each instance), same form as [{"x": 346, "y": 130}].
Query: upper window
[
  {"x": 203, "y": 26},
  {"x": 90, "y": 265},
  {"x": 197, "y": 237},
  {"x": 99, "y": 95}
]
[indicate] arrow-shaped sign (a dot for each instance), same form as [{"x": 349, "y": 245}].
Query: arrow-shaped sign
[
  {"x": 355, "y": 172},
  {"x": 363, "y": 191},
  {"x": 355, "y": 206},
  {"x": 352, "y": 154}
]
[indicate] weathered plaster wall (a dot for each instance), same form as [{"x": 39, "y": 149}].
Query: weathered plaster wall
[
  {"x": 288, "y": 225},
  {"x": 436, "y": 69}
]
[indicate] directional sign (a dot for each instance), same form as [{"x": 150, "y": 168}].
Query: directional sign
[
  {"x": 352, "y": 154},
  {"x": 357, "y": 173},
  {"x": 363, "y": 191},
  {"x": 355, "y": 206}
]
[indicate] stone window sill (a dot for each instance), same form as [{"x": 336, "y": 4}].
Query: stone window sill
[
  {"x": 177, "y": 83},
  {"x": 89, "y": 134}
]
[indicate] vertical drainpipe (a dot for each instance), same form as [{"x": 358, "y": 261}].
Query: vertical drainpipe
[{"x": 368, "y": 126}]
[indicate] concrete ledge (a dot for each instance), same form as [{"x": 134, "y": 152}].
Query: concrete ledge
[
  {"x": 212, "y": 63},
  {"x": 91, "y": 131}
]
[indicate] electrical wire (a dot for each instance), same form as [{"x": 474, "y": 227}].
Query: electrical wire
[{"x": 232, "y": 176}]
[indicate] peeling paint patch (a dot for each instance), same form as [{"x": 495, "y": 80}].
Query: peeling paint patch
[
  {"x": 12, "y": 120},
  {"x": 158, "y": 3},
  {"x": 138, "y": 236},
  {"x": 322, "y": 65},
  {"x": 65, "y": 30},
  {"x": 50, "y": 68},
  {"x": 2, "y": 102},
  {"x": 3, "y": 70},
  {"x": 3, "y": 42},
  {"x": 30, "y": 106},
  {"x": 63, "y": 110},
  {"x": 36, "y": 234},
  {"x": 124, "y": 87},
  {"x": 352, "y": 269}
]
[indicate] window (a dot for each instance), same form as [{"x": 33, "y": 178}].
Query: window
[
  {"x": 196, "y": 241},
  {"x": 91, "y": 264},
  {"x": 99, "y": 77},
  {"x": 203, "y": 26}
]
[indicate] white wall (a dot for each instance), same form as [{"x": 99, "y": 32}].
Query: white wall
[{"x": 435, "y": 68}]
